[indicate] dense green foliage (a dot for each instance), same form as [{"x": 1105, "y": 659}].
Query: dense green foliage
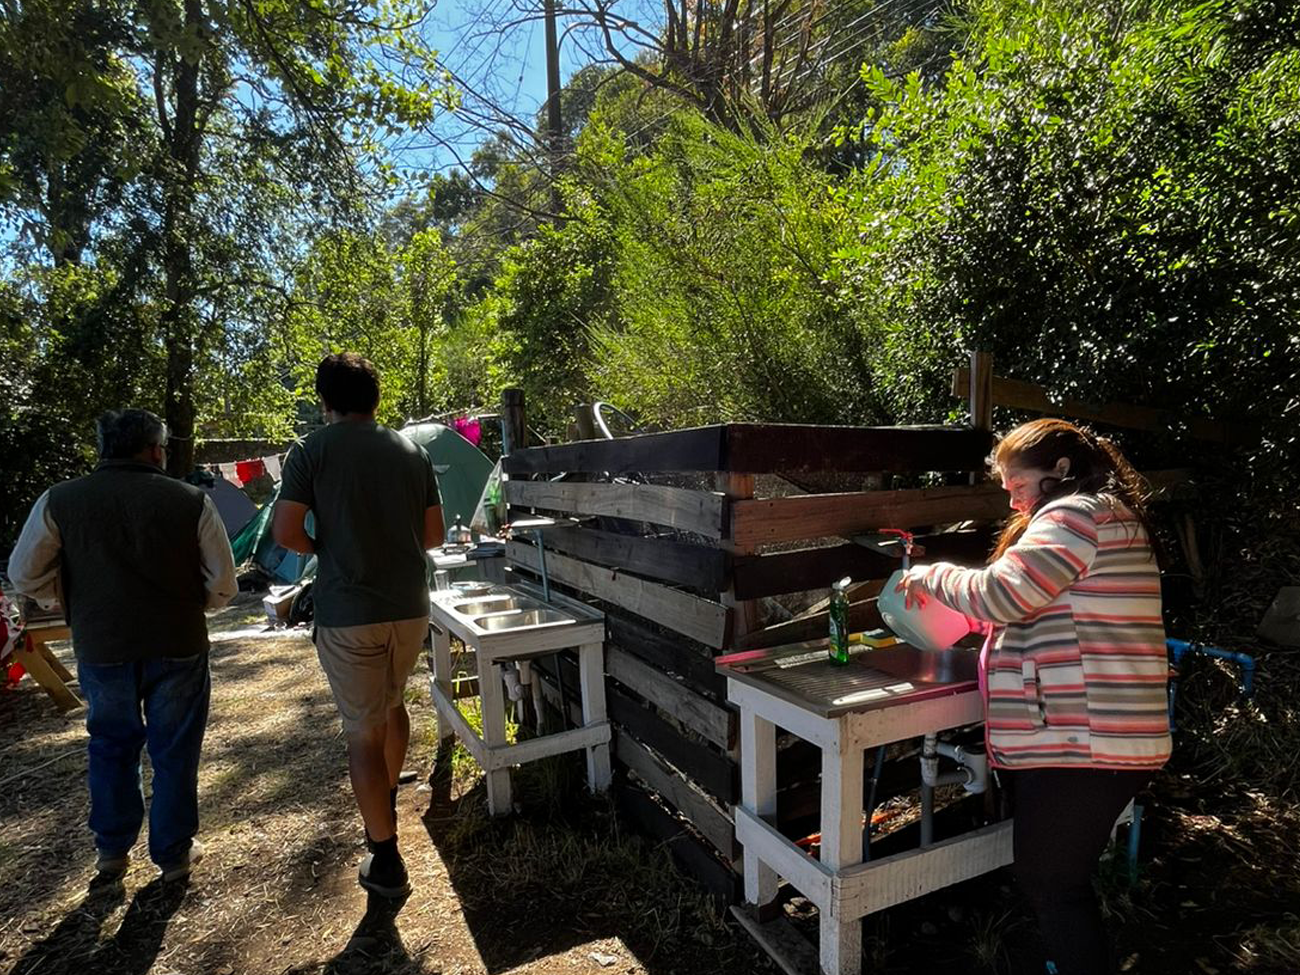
[{"x": 1104, "y": 196}]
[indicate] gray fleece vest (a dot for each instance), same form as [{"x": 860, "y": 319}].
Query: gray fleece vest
[{"x": 131, "y": 573}]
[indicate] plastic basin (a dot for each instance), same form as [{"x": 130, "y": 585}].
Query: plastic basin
[{"x": 932, "y": 627}]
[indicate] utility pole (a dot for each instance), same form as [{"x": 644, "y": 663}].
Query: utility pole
[{"x": 554, "y": 121}]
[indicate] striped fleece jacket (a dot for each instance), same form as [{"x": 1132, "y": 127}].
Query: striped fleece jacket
[{"x": 1076, "y": 671}]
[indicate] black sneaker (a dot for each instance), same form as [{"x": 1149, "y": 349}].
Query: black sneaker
[{"x": 384, "y": 873}]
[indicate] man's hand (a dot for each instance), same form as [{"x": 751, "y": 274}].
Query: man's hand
[{"x": 288, "y": 527}]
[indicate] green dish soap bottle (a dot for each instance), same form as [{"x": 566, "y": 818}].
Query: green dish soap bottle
[{"x": 838, "y": 648}]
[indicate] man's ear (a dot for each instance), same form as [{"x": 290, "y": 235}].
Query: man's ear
[{"x": 1062, "y": 467}]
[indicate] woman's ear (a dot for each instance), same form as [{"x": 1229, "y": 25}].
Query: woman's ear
[{"x": 1062, "y": 467}]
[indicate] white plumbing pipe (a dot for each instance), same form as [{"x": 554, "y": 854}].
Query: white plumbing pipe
[
  {"x": 973, "y": 776},
  {"x": 975, "y": 765},
  {"x": 514, "y": 686}
]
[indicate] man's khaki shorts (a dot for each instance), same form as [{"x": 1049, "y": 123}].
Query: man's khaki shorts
[{"x": 367, "y": 667}]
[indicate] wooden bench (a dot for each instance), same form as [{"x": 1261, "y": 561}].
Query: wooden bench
[{"x": 40, "y": 662}]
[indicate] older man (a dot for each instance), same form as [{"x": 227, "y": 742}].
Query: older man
[
  {"x": 375, "y": 500},
  {"x": 135, "y": 557}
]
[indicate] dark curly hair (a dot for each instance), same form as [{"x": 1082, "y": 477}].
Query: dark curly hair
[{"x": 347, "y": 383}]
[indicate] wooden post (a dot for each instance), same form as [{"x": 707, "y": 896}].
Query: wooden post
[
  {"x": 981, "y": 390},
  {"x": 842, "y": 772},
  {"x": 442, "y": 676},
  {"x": 744, "y": 612},
  {"x": 583, "y": 423},
  {"x": 981, "y": 397},
  {"x": 591, "y": 667},
  {"x": 513, "y": 425},
  {"x": 492, "y": 699},
  {"x": 758, "y": 792}
]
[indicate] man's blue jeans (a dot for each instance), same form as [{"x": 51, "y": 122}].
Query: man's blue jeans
[{"x": 162, "y": 703}]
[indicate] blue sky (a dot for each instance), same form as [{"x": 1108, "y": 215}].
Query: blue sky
[{"x": 497, "y": 47}]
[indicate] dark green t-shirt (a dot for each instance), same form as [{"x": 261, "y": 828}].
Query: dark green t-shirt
[{"x": 368, "y": 487}]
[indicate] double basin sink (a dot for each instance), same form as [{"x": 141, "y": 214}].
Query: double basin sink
[{"x": 496, "y": 609}]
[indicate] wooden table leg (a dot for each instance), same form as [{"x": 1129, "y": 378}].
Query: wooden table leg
[
  {"x": 38, "y": 660},
  {"x": 591, "y": 672},
  {"x": 758, "y": 794},
  {"x": 842, "y": 770},
  {"x": 442, "y": 676},
  {"x": 492, "y": 698}
]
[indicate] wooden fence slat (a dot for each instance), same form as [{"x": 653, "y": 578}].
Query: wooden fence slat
[
  {"x": 1021, "y": 395},
  {"x": 691, "y": 855},
  {"x": 862, "y": 616},
  {"x": 813, "y": 568},
  {"x": 698, "y": 618},
  {"x": 711, "y": 721},
  {"x": 805, "y": 516},
  {"x": 698, "y": 566},
  {"x": 701, "y": 512},
  {"x": 714, "y": 773},
  {"x": 713, "y": 822},
  {"x": 770, "y": 448},
  {"x": 693, "y": 449},
  {"x": 669, "y": 652}
]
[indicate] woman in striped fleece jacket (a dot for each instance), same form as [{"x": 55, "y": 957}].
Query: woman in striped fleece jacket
[{"x": 1073, "y": 670}]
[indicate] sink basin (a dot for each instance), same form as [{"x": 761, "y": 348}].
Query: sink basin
[
  {"x": 924, "y": 666},
  {"x": 467, "y": 590},
  {"x": 493, "y": 604},
  {"x": 520, "y": 620}
]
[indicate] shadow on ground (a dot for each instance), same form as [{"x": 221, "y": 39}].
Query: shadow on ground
[{"x": 564, "y": 873}]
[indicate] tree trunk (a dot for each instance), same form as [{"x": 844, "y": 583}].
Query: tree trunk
[{"x": 180, "y": 186}]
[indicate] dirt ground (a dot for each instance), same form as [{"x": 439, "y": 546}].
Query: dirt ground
[
  {"x": 276, "y": 891},
  {"x": 563, "y": 888}
]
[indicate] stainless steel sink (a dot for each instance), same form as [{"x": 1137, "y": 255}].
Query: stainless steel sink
[
  {"x": 520, "y": 620},
  {"x": 493, "y": 604},
  {"x": 468, "y": 590},
  {"x": 924, "y": 666}
]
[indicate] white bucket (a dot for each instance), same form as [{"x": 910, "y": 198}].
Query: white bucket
[{"x": 934, "y": 627}]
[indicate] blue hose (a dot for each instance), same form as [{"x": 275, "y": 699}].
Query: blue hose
[{"x": 1180, "y": 648}]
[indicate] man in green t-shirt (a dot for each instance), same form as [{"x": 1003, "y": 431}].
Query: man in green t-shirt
[{"x": 375, "y": 500}]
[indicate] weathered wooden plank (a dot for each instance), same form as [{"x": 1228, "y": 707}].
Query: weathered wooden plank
[
  {"x": 862, "y": 616},
  {"x": 1021, "y": 395},
  {"x": 813, "y": 568},
  {"x": 706, "y": 816},
  {"x": 698, "y": 566},
  {"x": 700, "y": 619},
  {"x": 804, "y": 516},
  {"x": 702, "y": 512},
  {"x": 690, "y": 854},
  {"x": 669, "y": 652},
  {"x": 770, "y": 448},
  {"x": 878, "y": 884},
  {"x": 709, "y": 720},
  {"x": 693, "y": 449},
  {"x": 778, "y": 937},
  {"x": 714, "y": 773}
]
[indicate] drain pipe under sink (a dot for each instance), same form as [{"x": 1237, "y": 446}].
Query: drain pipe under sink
[{"x": 972, "y": 775}]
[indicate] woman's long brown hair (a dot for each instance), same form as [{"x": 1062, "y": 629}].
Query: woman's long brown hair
[{"x": 1096, "y": 467}]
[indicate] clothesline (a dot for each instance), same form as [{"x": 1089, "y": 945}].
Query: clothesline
[{"x": 240, "y": 472}]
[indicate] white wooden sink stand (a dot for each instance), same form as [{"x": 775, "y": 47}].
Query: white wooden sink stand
[
  {"x": 494, "y": 754},
  {"x": 844, "y": 888}
]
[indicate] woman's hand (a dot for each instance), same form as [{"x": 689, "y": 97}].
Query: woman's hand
[{"x": 913, "y": 588}]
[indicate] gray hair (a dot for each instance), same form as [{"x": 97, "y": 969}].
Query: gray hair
[{"x": 124, "y": 433}]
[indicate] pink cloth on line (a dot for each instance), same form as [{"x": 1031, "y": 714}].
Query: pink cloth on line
[{"x": 469, "y": 428}]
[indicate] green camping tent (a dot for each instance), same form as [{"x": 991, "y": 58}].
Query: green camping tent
[
  {"x": 462, "y": 471},
  {"x": 462, "y": 468}
]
